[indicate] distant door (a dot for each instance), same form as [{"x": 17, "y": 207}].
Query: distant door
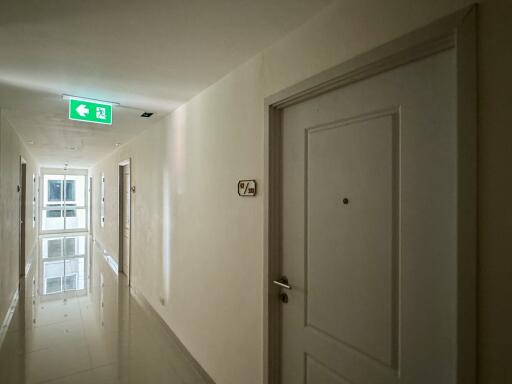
[
  {"x": 23, "y": 215},
  {"x": 369, "y": 234},
  {"x": 124, "y": 217},
  {"x": 90, "y": 205}
]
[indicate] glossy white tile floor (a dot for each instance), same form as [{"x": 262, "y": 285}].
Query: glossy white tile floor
[{"x": 76, "y": 322}]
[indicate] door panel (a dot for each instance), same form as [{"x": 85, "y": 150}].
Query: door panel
[
  {"x": 317, "y": 373},
  {"x": 351, "y": 235},
  {"x": 369, "y": 230}
]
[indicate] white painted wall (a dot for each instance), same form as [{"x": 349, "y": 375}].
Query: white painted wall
[
  {"x": 11, "y": 148},
  {"x": 198, "y": 246}
]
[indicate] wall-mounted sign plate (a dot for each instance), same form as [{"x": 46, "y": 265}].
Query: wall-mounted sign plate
[
  {"x": 90, "y": 111},
  {"x": 247, "y": 188}
]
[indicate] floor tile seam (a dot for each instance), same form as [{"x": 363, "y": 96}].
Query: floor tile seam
[
  {"x": 85, "y": 338},
  {"x": 51, "y": 347},
  {"x": 63, "y": 377},
  {"x": 40, "y": 326}
]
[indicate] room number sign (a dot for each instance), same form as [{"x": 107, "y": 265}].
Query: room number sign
[{"x": 247, "y": 188}]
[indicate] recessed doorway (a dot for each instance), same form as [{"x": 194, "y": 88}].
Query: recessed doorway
[
  {"x": 371, "y": 216},
  {"x": 22, "y": 189},
  {"x": 125, "y": 217}
]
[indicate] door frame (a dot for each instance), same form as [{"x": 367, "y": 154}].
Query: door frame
[
  {"x": 456, "y": 31},
  {"x": 120, "y": 206},
  {"x": 22, "y": 218}
]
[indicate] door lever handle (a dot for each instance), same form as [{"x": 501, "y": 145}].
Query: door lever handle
[{"x": 283, "y": 283}]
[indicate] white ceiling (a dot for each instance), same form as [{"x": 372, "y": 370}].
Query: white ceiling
[{"x": 148, "y": 55}]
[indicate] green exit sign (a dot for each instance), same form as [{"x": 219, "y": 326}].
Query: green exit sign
[{"x": 90, "y": 111}]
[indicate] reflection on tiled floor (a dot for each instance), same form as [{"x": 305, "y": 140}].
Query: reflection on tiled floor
[{"x": 76, "y": 322}]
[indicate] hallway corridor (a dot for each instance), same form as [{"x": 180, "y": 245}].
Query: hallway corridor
[
  {"x": 255, "y": 192},
  {"x": 76, "y": 322}
]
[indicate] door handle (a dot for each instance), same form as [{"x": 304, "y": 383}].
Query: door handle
[{"x": 283, "y": 283}]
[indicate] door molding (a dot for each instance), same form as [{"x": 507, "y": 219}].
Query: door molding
[{"x": 456, "y": 31}]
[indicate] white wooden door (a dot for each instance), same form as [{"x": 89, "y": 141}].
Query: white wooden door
[
  {"x": 369, "y": 230},
  {"x": 126, "y": 219}
]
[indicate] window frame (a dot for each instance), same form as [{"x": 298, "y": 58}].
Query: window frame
[{"x": 64, "y": 207}]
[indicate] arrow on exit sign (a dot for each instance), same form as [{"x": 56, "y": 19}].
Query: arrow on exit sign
[{"x": 90, "y": 111}]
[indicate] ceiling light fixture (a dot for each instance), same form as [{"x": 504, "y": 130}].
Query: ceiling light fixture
[
  {"x": 147, "y": 114},
  {"x": 118, "y": 144}
]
